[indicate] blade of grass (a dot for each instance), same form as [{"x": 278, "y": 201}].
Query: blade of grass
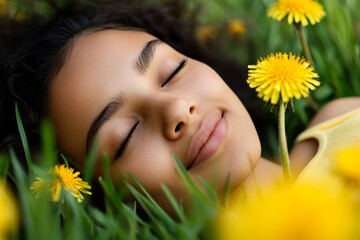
[
  {"x": 90, "y": 163},
  {"x": 174, "y": 203},
  {"x": 63, "y": 157},
  {"x": 152, "y": 210},
  {"x": 48, "y": 144},
  {"x": 185, "y": 177},
  {"x": 20, "y": 181},
  {"x": 227, "y": 190},
  {"x": 110, "y": 191},
  {"x": 23, "y": 136},
  {"x": 4, "y": 165},
  {"x": 154, "y": 204},
  {"x": 209, "y": 191}
]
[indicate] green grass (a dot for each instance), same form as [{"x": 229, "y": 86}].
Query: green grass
[
  {"x": 334, "y": 44},
  {"x": 118, "y": 219}
]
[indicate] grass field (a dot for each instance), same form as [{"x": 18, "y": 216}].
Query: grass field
[{"x": 335, "y": 48}]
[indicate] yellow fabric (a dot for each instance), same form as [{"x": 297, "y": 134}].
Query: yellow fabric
[{"x": 332, "y": 135}]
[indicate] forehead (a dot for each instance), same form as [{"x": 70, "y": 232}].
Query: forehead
[{"x": 87, "y": 81}]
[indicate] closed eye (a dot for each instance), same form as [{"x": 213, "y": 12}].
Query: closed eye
[
  {"x": 176, "y": 71},
  {"x": 125, "y": 143}
]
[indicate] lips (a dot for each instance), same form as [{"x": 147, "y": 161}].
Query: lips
[{"x": 207, "y": 139}]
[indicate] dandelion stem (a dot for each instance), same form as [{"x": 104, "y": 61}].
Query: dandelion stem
[
  {"x": 284, "y": 154},
  {"x": 304, "y": 44},
  {"x": 307, "y": 53}
]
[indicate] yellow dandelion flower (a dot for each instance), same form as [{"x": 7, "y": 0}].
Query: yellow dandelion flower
[
  {"x": 282, "y": 74},
  {"x": 206, "y": 33},
  {"x": 347, "y": 164},
  {"x": 236, "y": 27},
  {"x": 306, "y": 212},
  {"x": 63, "y": 179},
  {"x": 8, "y": 212},
  {"x": 297, "y": 11}
]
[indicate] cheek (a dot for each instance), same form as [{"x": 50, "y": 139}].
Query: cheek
[
  {"x": 152, "y": 166},
  {"x": 204, "y": 76},
  {"x": 151, "y": 163}
]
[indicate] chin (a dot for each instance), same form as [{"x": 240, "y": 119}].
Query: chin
[{"x": 242, "y": 166}]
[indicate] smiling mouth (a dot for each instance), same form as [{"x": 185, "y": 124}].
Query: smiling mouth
[{"x": 207, "y": 139}]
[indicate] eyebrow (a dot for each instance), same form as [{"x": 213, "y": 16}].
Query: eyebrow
[
  {"x": 109, "y": 110},
  {"x": 143, "y": 61},
  {"x": 141, "y": 65}
]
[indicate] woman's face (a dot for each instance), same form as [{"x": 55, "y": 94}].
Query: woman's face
[{"x": 141, "y": 101}]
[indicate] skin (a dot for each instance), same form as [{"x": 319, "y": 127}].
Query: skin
[{"x": 168, "y": 119}]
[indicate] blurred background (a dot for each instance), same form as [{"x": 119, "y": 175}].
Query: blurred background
[{"x": 241, "y": 31}]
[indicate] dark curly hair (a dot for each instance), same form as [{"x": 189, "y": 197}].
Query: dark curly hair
[{"x": 33, "y": 52}]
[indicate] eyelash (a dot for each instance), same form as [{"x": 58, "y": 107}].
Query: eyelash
[
  {"x": 176, "y": 71},
  {"x": 124, "y": 144}
]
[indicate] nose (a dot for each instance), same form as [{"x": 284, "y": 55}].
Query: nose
[{"x": 176, "y": 114}]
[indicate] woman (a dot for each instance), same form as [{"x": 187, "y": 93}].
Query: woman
[{"x": 110, "y": 78}]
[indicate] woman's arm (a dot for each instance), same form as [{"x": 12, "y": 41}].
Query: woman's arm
[{"x": 304, "y": 151}]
